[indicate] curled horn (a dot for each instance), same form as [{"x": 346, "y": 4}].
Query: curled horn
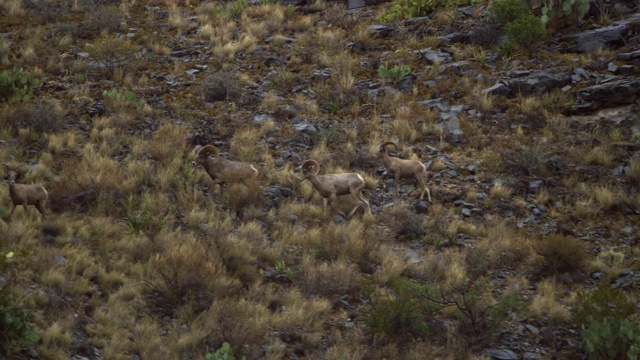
[
  {"x": 311, "y": 163},
  {"x": 384, "y": 145},
  {"x": 206, "y": 150}
]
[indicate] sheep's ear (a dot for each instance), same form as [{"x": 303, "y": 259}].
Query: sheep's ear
[{"x": 197, "y": 149}]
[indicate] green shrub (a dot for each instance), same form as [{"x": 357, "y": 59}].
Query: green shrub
[
  {"x": 559, "y": 13},
  {"x": 397, "y": 73},
  {"x": 407, "y": 9},
  {"x": 400, "y": 315},
  {"x": 17, "y": 84},
  {"x": 525, "y": 32},
  {"x": 560, "y": 254},
  {"x": 505, "y": 11},
  {"x": 412, "y": 306},
  {"x": 612, "y": 339},
  {"x": 224, "y": 353},
  {"x": 123, "y": 96},
  {"x": 16, "y": 324},
  {"x": 604, "y": 302}
]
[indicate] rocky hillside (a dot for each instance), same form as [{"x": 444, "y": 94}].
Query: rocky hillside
[{"x": 528, "y": 249}]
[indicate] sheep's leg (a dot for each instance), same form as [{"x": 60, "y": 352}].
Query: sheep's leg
[
  {"x": 324, "y": 204},
  {"x": 424, "y": 187},
  {"x": 11, "y": 212},
  {"x": 360, "y": 199},
  {"x": 40, "y": 208},
  {"x": 364, "y": 201},
  {"x": 333, "y": 201},
  {"x": 397, "y": 183}
]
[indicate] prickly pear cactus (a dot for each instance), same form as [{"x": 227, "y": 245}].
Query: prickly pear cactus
[{"x": 558, "y": 13}]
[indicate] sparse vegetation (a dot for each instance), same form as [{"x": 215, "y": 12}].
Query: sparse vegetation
[{"x": 141, "y": 254}]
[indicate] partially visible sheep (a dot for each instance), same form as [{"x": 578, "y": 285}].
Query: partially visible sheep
[
  {"x": 332, "y": 185},
  {"x": 22, "y": 194},
  {"x": 224, "y": 171},
  {"x": 400, "y": 169}
]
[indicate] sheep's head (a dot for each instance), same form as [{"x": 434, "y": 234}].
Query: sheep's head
[
  {"x": 202, "y": 154},
  {"x": 13, "y": 174},
  {"x": 382, "y": 149},
  {"x": 308, "y": 170}
]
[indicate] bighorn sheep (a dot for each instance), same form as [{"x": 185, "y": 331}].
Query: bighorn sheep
[
  {"x": 224, "y": 171},
  {"x": 22, "y": 194},
  {"x": 400, "y": 169},
  {"x": 332, "y": 185}
]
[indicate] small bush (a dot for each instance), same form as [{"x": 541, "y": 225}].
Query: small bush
[
  {"x": 47, "y": 117},
  {"x": 505, "y": 11},
  {"x": 17, "y": 84},
  {"x": 560, "y": 254},
  {"x": 400, "y": 315},
  {"x": 525, "y": 32},
  {"x": 560, "y": 13},
  {"x": 397, "y": 73},
  {"x": 103, "y": 18},
  {"x": 601, "y": 303},
  {"x": 221, "y": 85},
  {"x": 612, "y": 339},
  {"x": 225, "y": 352},
  {"x": 16, "y": 324},
  {"x": 110, "y": 53}
]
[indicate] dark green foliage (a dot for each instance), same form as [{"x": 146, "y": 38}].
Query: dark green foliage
[
  {"x": 221, "y": 85},
  {"x": 525, "y": 31},
  {"x": 125, "y": 96},
  {"x": 411, "y": 308},
  {"x": 505, "y": 11},
  {"x": 612, "y": 339},
  {"x": 17, "y": 84},
  {"x": 604, "y": 302},
  {"x": 559, "y": 13},
  {"x": 396, "y": 73},
  {"x": 560, "y": 254},
  {"x": 401, "y": 315},
  {"x": 16, "y": 324},
  {"x": 224, "y": 353},
  {"x": 407, "y": 9}
]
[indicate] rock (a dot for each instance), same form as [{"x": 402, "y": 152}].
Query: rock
[
  {"x": 458, "y": 68},
  {"x": 538, "y": 82},
  {"x": 305, "y": 128},
  {"x": 592, "y": 41},
  {"x": 380, "y": 31},
  {"x": 435, "y": 56},
  {"x": 597, "y": 276},
  {"x": 405, "y": 85},
  {"x": 499, "y": 89},
  {"x": 531, "y": 356},
  {"x": 61, "y": 260},
  {"x": 421, "y": 207},
  {"x": 466, "y": 212},
  {"x": 499, "y": 354},
  {"x": 532, "y": 328},
  {"x": 634, "y": 55},
  {"x": 535, "y": 186},
  {"x": 618, "y": 92}
]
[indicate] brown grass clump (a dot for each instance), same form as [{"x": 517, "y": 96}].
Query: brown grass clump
[
  {"x": 185, "y": 269},
  {"x": 559, "y": 254}
]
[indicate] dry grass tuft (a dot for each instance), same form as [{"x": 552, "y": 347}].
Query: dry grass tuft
[{"x": 546, "y": 303}]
